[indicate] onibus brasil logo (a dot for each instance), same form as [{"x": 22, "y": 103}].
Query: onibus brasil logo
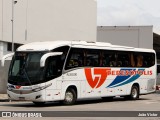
[{"x": 97, "y": 76}]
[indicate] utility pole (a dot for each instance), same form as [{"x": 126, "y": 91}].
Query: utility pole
[{"x": 13, "y": 3}]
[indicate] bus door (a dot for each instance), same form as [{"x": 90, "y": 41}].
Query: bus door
[{"x": 54, "y": 75}]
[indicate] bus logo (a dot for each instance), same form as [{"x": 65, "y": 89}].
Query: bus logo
[{"x": 98, "y": 78}]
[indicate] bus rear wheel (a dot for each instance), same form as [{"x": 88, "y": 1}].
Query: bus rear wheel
[
  {"x": 134, "y": 95},
  {"x": 70, "y": 97}
]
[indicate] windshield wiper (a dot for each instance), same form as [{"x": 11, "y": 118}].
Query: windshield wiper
[
  {"x": 22, "y": 71},
  {"x": 25, "y": 73}
]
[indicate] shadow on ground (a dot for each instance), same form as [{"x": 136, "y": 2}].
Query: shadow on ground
[{"x": 79, "y": 102}]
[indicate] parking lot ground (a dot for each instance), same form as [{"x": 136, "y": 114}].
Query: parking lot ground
[{"x": 150, "y": 102}]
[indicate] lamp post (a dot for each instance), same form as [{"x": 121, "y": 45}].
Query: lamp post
[{"x": 13, "y": 3}]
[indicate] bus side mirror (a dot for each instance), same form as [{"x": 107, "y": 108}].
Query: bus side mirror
[
  {"x": 45, "y": 56},
  {"x": 5, "y": 57}
]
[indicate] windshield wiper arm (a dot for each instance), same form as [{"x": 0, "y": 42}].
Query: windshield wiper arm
[{"x": 25, "y": 73}]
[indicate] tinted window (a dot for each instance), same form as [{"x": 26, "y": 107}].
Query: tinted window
[
  {"x": 92, "y": 58},
  {"x": 149, "y": 60},
  {"x": 53, "y": 68},
  {"x": 126, "y": 59},
  {"x": 144, "y": 59},
  {"x": 108, "y": 58},
  {"x": 25, "y": 69},
  {"x": 63, "y": 49},
  {"x": 123, "y": 59},
  {"x": 75, "y": 58}
]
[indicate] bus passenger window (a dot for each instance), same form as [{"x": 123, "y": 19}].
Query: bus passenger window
[
  {"x": 132, "y": 60},
  {"x": 92, "y": 58},
  {"x": 108, "y": 58},
  {"x": 149, "y": 59},
  {"x": 119, "y": 64},
  {"x": 75, "y": 58},
  {"x": 139, "y": 61},
  {"x": 123, "y": 59},
  {"x": 105, "y": 59},
  {"x": 152, "y": 60},
  {"x": 112, "y": 59},
  {"x": 112, "y": 63}
]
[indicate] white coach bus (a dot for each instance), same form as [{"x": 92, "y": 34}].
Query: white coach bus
[{"x": 71, "y": 70}]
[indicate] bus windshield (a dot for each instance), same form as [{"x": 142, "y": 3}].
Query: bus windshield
[{"x": 25, "y": 69}]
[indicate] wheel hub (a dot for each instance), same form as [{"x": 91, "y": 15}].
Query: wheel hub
[
  {"x": 69, "y": 97},
  {"x": 134, "y": 93}
]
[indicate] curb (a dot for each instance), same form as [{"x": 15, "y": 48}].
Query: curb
[{"x": 4, "y": 100}]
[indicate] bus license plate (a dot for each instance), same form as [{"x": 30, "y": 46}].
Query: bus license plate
[{"x": 21, "y": 98}]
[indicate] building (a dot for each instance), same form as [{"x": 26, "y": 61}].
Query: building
[
  {"x": 44, "y": 20},
  {"x": 133, "y": 36},
  {"x": 48, "y": 20}
]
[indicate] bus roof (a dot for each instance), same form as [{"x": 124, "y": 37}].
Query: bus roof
[
  {"x": 50, "y": 45},
  {"x": 43, "y": 46}
]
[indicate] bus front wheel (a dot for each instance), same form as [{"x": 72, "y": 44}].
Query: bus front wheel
[{"x": 70, "y": 97}]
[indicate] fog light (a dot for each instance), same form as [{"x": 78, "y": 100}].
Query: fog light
[{"x": 38, "y": 96}]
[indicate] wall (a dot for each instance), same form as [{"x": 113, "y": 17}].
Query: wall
[
  {"x": 3, "y": 49},
  {"x": 3, "y": 70},
  {"x": 4, "y": 77},
  {"x": 134, "y": 36},
  {"x": 1, "y": 20},
  {"x": 46, "y": 20}
]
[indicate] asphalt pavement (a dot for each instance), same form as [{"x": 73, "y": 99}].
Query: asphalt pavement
[{"x": 4, "y": 97}]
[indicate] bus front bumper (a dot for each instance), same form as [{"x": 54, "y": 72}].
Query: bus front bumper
[{"x": 33, "y": 96}]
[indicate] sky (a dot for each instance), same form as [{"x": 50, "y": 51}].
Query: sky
[{"x": 129, "y": 13}]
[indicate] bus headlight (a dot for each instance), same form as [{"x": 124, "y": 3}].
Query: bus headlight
[{"x": 41, "y": 88}]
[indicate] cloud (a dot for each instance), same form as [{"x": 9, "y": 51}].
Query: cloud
[{"x": 129, "y": 12}]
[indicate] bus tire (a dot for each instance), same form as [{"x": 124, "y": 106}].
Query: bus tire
[
  {"x": 39, "y": 103},
  {"x": 134, "y": 95},
  {"x": 70, "y": 97}
]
